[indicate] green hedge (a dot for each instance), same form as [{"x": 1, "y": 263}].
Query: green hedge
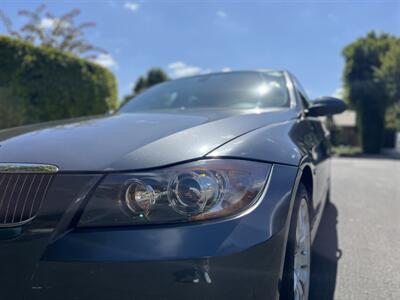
[{"x": 40, "y": 84}]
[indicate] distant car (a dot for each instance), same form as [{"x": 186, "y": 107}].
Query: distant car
[{"x": 207, "y": 187}]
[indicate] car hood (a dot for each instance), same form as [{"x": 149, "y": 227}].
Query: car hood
[{"x": 129, "y": 141}]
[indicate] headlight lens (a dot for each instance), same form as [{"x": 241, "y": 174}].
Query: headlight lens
[
  {"x": 200, "y": 190},
  {"x": 193, "y": 193}
]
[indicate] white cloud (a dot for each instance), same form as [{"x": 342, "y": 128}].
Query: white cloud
[
  {"x": 132, "y": 6},
  {"x": 226, "y": 69},
  {"x": 339, "y": 93},
  {"x": 222, "y": 14},
  {"x": 106, "y": 60},
  {"x": 47, "y": 23},
  {"x": 181, "y": 69},
  {"x": 50, "y": 23}
]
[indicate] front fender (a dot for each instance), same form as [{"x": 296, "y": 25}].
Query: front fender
[{"x": 278, "y": 143}]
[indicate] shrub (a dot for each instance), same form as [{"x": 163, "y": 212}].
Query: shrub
[{"x": 40, "y": 84}]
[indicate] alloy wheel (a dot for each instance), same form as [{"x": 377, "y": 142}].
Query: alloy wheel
[{"x": 302, "y": 255}]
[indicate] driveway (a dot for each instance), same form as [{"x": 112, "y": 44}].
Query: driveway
[{"x": 357, "y": 249}]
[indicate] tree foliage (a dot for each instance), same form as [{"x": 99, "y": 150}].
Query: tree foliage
[
  {"x": 154, "y": 76},
  {"x": 58, "y": 32},
  {"x": 140, "y": 85},
  {"x": 41, "y": 84},
  {"x": 389, "y": 72},
  {"x": 366, "y": 90},
  {"x": 389, "y": 75}
]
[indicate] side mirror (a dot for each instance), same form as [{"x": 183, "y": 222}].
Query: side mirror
[{"x": 324, "y": 106}]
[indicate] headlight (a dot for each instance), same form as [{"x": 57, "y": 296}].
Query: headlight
[{"x": 195, "y": 191}]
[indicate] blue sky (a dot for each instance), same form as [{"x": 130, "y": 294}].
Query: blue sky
[{"x": 189, "y": 37}]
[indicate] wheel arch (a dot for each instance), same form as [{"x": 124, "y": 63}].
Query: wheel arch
[{"x": 308, "y": 181}]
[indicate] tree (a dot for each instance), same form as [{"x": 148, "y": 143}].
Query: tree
[
  {"x": 365, "y": 91},
  {"x": 42, "y": 28},
  {"x": 389, "y": 72},
  {"x": 389, "y": 75},
  {"x": 154, "y": 76},
  {"x": 140, "y": 85}
]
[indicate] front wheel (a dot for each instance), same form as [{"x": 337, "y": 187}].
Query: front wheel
[{"x": 296, "y": 277}]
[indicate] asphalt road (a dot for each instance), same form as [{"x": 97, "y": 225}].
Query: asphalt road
[{"x": 357, "y": 248}]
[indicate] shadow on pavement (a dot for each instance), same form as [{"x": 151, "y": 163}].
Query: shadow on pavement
[{"x": 325, "y": 256}]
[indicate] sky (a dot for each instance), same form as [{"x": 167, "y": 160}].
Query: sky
[{"x": 194, "y": 37}]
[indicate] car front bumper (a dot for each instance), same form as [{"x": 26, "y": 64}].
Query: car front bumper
[
  {"x": 251, "y": 274},
  {"x": 236, "y": 258}
]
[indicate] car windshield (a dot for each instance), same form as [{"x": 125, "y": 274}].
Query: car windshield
[{"x": 235, "y": 90}]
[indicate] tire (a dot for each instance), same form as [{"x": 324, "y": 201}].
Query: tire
[{"x": 297, "y": 267}]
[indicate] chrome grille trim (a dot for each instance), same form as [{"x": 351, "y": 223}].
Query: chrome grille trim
[
  {"x": 23, "y": 168},
  {"x": 21, "y": 196},
  {"x": 26, "y": 198}
]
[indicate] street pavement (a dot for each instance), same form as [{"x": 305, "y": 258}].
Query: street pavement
[{"x": 357, "y": 249}]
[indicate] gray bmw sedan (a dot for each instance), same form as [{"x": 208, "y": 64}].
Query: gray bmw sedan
[{"x": 206, "y": 187}]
